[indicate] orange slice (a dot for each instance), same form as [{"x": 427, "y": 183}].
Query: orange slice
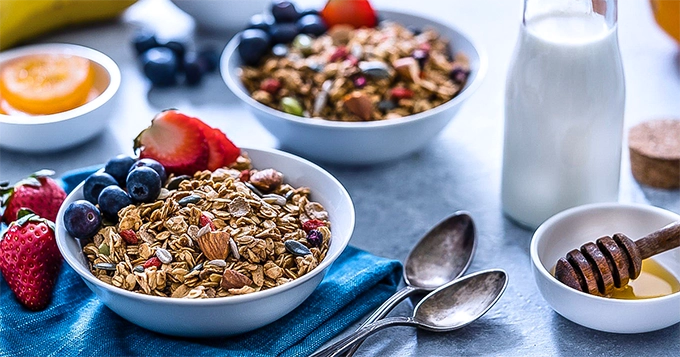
[{"x": 46, "y": 84}]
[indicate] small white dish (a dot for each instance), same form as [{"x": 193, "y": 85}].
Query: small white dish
[
  {"x": 221, "y": 15},
  {"x": 569, "y": 230},
  {"x": 44, "y": 133},
  {"x": 360, "y": 142},
  {"x": 234, "y": 314}
]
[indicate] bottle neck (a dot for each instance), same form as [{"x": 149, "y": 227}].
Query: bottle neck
[{"x": 542, "y": 8}]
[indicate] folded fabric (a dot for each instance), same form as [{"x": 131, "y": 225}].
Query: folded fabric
[{"x": 76, "y": 323}]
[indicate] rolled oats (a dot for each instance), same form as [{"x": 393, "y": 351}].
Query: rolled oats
[{"x": 225, "y": 240}]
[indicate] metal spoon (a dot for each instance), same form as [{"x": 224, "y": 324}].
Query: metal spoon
[
  {"x": 448, "y": 308},
  {"x": 442, "y": 255}
]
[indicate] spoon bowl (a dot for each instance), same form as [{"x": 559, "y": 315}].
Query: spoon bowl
[{"x": 450, "y": 307}]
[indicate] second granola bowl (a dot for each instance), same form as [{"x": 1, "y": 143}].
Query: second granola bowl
[
  {"x": 229, "y": 315},
  {"x": 365, "y": 142}
]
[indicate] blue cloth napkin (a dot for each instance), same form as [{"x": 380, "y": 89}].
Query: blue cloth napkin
[{"x": 76, "y": 323}]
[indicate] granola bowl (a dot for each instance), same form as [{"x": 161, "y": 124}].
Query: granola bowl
[
  {"x": 361, "y": 142},
  {"x": 230, "y": 315}
]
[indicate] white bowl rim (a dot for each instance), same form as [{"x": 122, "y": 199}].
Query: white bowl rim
[
  {"x": 536, "y": 261},
  {"x": 78, "y": 50},
  {"x": 229, "y": 79},
  {"x": 87, "y": 275}
]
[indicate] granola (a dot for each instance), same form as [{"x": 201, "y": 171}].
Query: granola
[
  {"x": 213, "y": 235},
  {"x": 360, "y": 74}
]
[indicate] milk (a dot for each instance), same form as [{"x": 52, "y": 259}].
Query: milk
[{"x": 563, "y": 116}]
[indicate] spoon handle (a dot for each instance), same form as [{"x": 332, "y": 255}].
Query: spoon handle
[
  {"x": 359, "y": 335},
  {"x": 384, "y": 309}
]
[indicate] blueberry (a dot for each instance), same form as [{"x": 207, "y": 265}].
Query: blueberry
[
  {"x": 283, "y": 33},
  {"x": 312, "y": 25},
  {"x": 309, "y": 12},
  {"x": 314, "y": 238},
  {"x": 144, "y": 40},
  {"x": 118, "y": 167},
  {"x": 111, "y": 200},
  {"x": 155, "y": 165},
  {"x": 94, "y": 185},
  {"x": 143, "y": 184},
  {"x": 209, "y": 59},
  {"x": 82, "y": 219},
  {"x": 193, "y": 69},
  {"x": 260, "y": 21},
  {"x": 280, "y": 50},
  {"x": 253, "y": 45},
  {"x": 284, "y": 11},
  {"x": 160, "y": 66},
  {"x": 178, "y": 49}
]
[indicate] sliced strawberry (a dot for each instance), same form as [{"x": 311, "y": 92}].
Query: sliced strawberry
[
  {"x": 222, "y": 151},
  {"x": 356, "y": 13},
  {"x": 176, "y": 141}
]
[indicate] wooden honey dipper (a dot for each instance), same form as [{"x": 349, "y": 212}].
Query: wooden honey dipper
[{"x": 597, "y": 268}]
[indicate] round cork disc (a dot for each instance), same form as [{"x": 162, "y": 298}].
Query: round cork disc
[{"x": 655, "y": 153}]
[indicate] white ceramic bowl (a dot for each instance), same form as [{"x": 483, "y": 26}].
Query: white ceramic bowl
[
  {"x": 360, "y": 142},
  {"x": 221, "y": 15},
  {"x": 44, "y": 133},
  {"x": 569, "y": 230},
  {"x": 234, "y": 314}
]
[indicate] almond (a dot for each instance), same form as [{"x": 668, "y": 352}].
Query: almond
[
  {"x": 231, "y": 279},
  {"x": 358, "y": 104},
  {"x": 214, "y": 245}
]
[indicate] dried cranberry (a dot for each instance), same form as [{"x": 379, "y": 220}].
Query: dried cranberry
[
  {"x": 204, "y": 220},
  {"x": 459, "y": 74},
  {"x": 398, "y": 93},
  {"x": 244, "y": 176},
  {"x": 153, "y": 262},
  {"x": 360, "y": 82},
  {"x": 340, "y": 54},
  {"x": 312, "y": 224},
  {"x": 315, "y": 238},
  {"x": 129, "y": 236},
  {"x": 270, "y": 85}
]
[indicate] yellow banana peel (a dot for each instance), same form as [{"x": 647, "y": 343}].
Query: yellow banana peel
[{"x": 23, "y": 20}]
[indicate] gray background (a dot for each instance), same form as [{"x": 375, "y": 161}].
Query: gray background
[{"x": 398, "y": 201}]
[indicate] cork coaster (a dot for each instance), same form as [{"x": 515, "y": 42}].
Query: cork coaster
[{"x": 655, "y": 153}]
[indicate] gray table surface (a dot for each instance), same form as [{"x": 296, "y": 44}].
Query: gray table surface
[{"x": 397, "y": 202}]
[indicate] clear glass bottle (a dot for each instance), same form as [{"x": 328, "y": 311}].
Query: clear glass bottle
[{"x": 564, "y": 106}]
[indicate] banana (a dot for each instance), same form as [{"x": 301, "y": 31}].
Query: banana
[{"x": 22, "y": 20}]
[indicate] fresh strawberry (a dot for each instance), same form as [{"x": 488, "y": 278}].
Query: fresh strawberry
[
  {"x": 30, "y": 260},
  {"x": 357, "y": 13},
  {"x": 38, "y": 192},
  {"x": 222, "y": 151},
  {"x": 176, "y": 141}
]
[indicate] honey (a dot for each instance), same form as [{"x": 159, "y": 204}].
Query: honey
[{"x": 654, "y": 281}]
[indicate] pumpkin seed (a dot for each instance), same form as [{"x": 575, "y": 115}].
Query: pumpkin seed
[
  {"x": 104, "y": 249},
  {"x": 189, "y": 199},
  {"x": 303, "y": 43},
  {"x": 105, "y": 266},
  {"x": 164, "y": 256},
  {"x": 218, "y": 262},
  {"x": 175, "y": 181},
  {"x": 291, "y": 106},
  {"x": 296, "y": 248}
]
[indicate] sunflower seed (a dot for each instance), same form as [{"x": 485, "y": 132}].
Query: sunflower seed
[
  {"x": 105, "y": 266},
  {"x": 165, "y": 193},
  {"x": 296, "y": 248},
  {"x": 138, "y": 269},
  {"x": 175, "y": 181},
  {"x": 289, "y": 195},
  {"x": 164, "y": 256},
  {"x": 254, "y": 189},
  {"x": 197, "y": 267},
  {"x": 189, "y": 199},
  {"x": 275, "y": 199},
  {"x": 205, "y": 229},
  {"x": 218, "y": 262},
  {"x": 234, "y": 248},
  {"x": 376, "y": 69}
]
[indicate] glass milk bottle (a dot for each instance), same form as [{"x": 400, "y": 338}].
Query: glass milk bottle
[{"x": 564, "y": 106}]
